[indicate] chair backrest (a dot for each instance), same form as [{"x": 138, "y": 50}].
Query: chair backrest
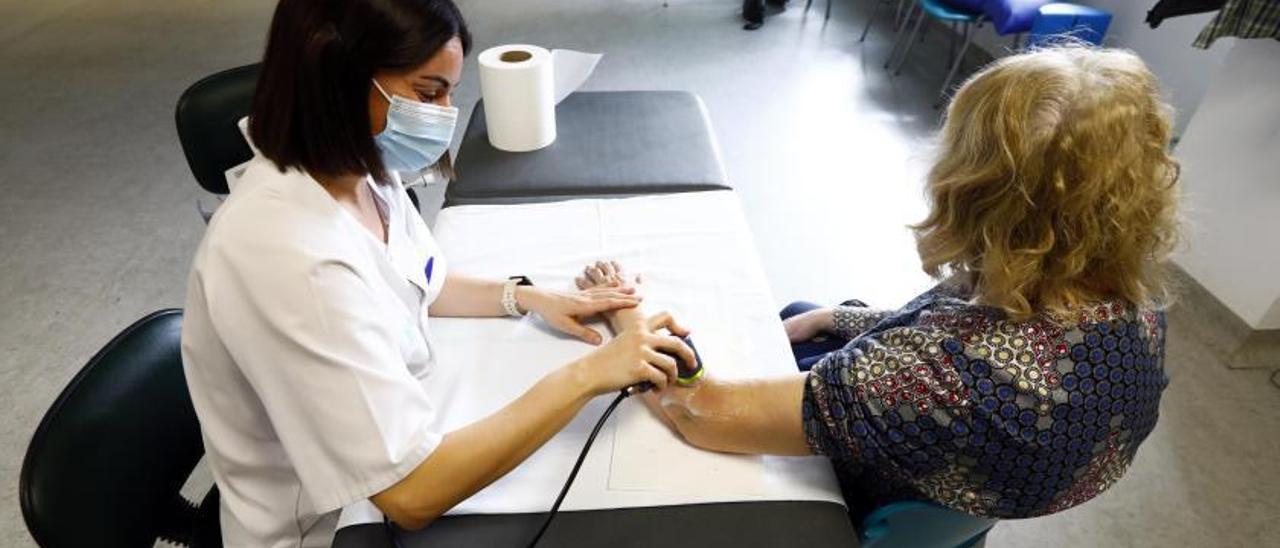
[
  {"x": 1059, "y": 19},
  {"x": 108, "y": 460},
  {"x": 1012, "y": 16},
  {"x": 913, "y": 524},
  {"x": 207, "y": 114}
]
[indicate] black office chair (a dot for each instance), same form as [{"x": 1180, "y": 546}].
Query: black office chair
[
  {"x": 207, "y": 115},
  {"x": 108, "y": 460}
]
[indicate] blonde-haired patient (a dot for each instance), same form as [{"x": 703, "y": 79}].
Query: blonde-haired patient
[{"x": 1024, "y": 382}]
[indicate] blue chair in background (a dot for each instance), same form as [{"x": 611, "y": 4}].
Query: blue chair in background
[
  {"x": 946, "y": 12},
  {"x": 1012, "y": 17},
  {"x": 1008, "y": 17},
  {"x": 914, "y": 524},
  {"x": 1053, "y": 21}
]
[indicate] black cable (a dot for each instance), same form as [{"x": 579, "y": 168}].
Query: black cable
[
  {"x": 394, "y": 536},
  {"x": 555, "y": 508}
]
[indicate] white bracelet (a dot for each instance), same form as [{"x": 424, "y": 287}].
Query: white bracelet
[{"x": 509, "y": 299}]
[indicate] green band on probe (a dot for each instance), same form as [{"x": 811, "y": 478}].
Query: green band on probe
[{"x": 691, "y": 380}]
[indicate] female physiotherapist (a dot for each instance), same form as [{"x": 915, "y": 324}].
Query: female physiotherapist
[{"x": 306, "y": 334}]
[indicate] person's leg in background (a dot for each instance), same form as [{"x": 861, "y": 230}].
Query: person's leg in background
[
  {"x": 808, "y": 353},
  {"x": 753, "y": 12}
]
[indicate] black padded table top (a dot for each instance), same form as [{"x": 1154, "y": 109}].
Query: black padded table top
[
  {"x": 737, "y": 524},
  {"x": 608, "y": 144}
]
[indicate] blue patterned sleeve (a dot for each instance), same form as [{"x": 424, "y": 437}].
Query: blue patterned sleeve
[
  {"x": 827, "y": 412},
  {"x": 851, "y": 321},
  {"x": 859, "y": 400}
]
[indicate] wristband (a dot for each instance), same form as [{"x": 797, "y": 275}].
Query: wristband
[{"x": 509, "y": 299}]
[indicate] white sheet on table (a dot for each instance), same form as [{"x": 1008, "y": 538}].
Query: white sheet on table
[
  {"x": 699, "y": 262},
  {"x": 648, "y": 456}
]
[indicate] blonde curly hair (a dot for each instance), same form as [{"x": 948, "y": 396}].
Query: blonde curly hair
[{"x": 1054, "y": 186}]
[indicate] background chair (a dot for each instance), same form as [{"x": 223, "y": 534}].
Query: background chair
[
  {"x": 827, "y": 16},
  {"x": 1058, "y": 19},
  {"x": 1008, "y": 17},
  {"x": 898, "y": 19},
  {"x": 207, "y": 117},
  {"x": 1012, "y": 17},
  {"x": 108, "y": 460},
  {"x": 957, "y": 16},
  {"x": 914, "y": 524}
]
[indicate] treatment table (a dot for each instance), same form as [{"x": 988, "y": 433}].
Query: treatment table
[
  {"x": 608, "y": 143},
  {"x": 538, "y": 214}
]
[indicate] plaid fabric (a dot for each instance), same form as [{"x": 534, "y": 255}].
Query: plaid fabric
[{"x": 1242, "y": 19}]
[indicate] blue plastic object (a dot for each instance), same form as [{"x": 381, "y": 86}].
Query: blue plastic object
[
  {"x": 1012, "y": 16},
  {"x": 968, "y": 5},
  {"x": 949, "y": 11},
  {"x": 913, "y": 524},
  {"x": 1061, "y": 19}
]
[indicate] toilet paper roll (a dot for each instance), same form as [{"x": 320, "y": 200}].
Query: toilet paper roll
[{"x": 521, "y": 85}]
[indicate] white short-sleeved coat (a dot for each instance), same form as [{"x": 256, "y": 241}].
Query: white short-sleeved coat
[{"x": 305, "y": 345}]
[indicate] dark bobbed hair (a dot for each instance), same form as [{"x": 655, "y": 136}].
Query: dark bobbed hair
[{"x": 311, "y": 106}]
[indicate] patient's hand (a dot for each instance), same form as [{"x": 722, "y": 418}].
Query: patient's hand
[
  {"x": 606, "y": 273},
  {"x": 674, "y": 404},
  {"x": 736, "y": 416},
  {"x": 611, "y": 274},
  {"x": 805, "y": 326}
]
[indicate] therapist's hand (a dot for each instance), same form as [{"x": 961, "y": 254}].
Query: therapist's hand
[
  {"x": 565, "y": 311},
  {"x": 635, "y": 356}
]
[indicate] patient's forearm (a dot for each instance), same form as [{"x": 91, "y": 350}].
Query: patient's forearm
[
  {"x": 621, "y": 319},
  {"x": 749, "y": 416}
]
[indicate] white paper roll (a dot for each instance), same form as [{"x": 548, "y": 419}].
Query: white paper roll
[{"x": 518, "y": 85}]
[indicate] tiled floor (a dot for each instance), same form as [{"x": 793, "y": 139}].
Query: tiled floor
[{"x": 97, "y": 219}]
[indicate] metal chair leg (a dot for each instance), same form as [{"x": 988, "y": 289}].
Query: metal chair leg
[
  {"x": 897, "y": 44},
  {"x": 807, "y": 5},
  {"x": 955, "y": 67},
  {"x": 866, "y": 28},
  {"x": 827, "y": 17},
  {"x": 915, "y": 31},
  {"x": 903, "y": 45},
  {"x": 900, "y": 20},
  {"x": 951, "y": 43}
]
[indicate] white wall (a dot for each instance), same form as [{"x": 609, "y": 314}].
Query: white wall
[
  {"x": 1184, "y": 71},
  {"x": 1230, "y": 154}
]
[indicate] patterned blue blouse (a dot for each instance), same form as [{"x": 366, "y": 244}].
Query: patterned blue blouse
[{"x": 954, "y": 403}]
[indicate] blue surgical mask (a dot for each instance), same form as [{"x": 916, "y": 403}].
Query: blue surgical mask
[{"x": 417, "y": 133}]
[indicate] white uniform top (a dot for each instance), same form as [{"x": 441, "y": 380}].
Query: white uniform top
[{"x": 305, "y": 347}]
